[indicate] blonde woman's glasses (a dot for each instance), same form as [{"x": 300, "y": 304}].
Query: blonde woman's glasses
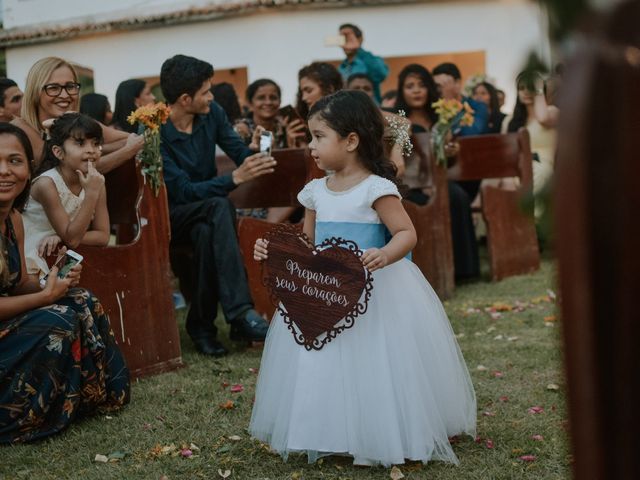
[{"x": 55, "y": 89}]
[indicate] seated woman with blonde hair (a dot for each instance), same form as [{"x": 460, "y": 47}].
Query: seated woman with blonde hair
[{"x": 52, "y": 89}]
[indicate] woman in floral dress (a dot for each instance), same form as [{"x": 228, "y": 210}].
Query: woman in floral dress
[{"x": 58, "y": 356}]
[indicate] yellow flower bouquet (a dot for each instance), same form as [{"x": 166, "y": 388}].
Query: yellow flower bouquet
[
  {"x": 149, "y": 118},
  {"x": 452, "y": 114}
]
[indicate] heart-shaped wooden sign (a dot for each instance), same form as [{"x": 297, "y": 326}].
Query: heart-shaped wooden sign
[{"x": 319, "y": 290}]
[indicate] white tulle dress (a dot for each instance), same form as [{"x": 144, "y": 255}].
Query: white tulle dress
[{"x": 393, "y": 387}]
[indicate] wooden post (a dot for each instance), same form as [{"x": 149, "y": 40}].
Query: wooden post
[{"x": 597, "y": 207}]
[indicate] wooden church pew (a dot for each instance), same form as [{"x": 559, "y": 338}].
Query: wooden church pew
[
  {"x": 133, "y": 279},
  {"x": 511, "y": 235}
]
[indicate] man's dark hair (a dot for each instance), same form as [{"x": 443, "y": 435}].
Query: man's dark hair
[
  {"x": 448, "y": 69},
  {"x": 182, "y": 74},
  {"x": 356, "y": 30},
  {"x": 5, "y": 84},
  {"x": 357, "y": 76}
]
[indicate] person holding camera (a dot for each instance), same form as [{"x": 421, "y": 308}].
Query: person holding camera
[
  {"x": 360, "y": 60},
  {"x": 200, "y": 211}
]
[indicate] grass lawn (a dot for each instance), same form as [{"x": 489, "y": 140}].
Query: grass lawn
[{"x": 510, "y": 340}]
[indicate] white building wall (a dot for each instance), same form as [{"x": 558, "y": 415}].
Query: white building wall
[
  {"x": 19, "y": 13},
  {"x": 278, "y": 44}
]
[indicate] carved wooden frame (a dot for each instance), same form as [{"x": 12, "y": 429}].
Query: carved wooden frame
[{"x": 342, "y": 324}]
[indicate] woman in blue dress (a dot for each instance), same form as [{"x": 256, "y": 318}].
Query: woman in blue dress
[{"x": 58, "y": 356}]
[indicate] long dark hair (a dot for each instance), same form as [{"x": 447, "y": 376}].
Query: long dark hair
[
  {"x": 432, "y": 90},
  {"x": 96, "y": 106},
  {"x": 126, "y": 95},
  {"x": 325, "y": 75},
  {"x": 10, "y": 129},
  {"x": 353, "y": 111},
  {"x": 520, "y": 113},
  {"x": 225, "y": 95},
  {"x": 495, "y": 116},
  {"x": 21, "y": 200},
  {"x": 70, "y": 125}
]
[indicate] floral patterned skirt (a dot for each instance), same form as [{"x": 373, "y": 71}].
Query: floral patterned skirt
[{"x": 58, "y": 363}]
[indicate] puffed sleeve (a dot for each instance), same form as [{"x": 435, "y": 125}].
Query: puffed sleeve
[
  {"x": 306, "y": 197},
  {"x": 381, "y": 187}
]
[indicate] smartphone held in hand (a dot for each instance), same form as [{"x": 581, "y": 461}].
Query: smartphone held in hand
[
  {"x": 266, "y": 140},
  {"x": 335, "y": 40},
  {"x": 289, "y": 113},
  {"x": 65, "y": 263}
]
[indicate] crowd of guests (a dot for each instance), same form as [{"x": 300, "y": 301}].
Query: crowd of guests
[{"x": 58, "y": 356}]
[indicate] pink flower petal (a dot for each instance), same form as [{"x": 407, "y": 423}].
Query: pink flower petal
[
  {"x": 487, "y": 413},
  {"x": 236, "y": 388},
  {"x": 535, "y": 410},
  {"x": 488, "y": 443},
  {"x": 504, "y": 398},
  {"x": 537, "y": 438},
  {"x": 185, "y": 452},
  {"x": 498, "y": 374},
  {"x": 478, "y": 439},
  {"x": 527, "y": 458}
]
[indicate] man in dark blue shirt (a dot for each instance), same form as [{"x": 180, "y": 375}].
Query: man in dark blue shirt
[{"x": 200, "y": 211}]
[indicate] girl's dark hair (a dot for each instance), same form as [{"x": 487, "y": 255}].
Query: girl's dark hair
[
  {"x": 70, "y": 125},
  {"x": 261, "y": 82},
  {"x": 494, "y": 105},
  {"x": 9, "y": 129},
  {"x": 126, "y": 95},
  {"x": 432, "y": 90},
  {"x": 95, "y": 105},
  {"x": 353, "y": 111},
  {"x": 520, "y": 113},
  {"x": 225, "y": 95},
  {"x": 325, "y": 75}
]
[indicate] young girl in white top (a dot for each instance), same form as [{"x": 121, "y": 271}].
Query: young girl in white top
[
  {"x": 68, "y": 201},
  {"x": 395, "y": 385}
]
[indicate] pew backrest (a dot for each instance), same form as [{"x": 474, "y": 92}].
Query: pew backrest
[{"x": 494, "y": 156}]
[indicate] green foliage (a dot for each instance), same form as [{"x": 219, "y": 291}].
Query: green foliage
[{"x": 564, "y": 15}]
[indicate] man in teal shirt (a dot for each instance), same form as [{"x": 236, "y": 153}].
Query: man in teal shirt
[{"x": 361, "y": 61}]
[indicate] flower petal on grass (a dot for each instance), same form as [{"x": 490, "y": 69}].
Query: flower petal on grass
[
  {"x": 235, "y": 438},
  {"x": 481, "y": 368},
  {"x": 498, "y": 374},
  {"x": 228, "y": 405},
  {"x": 101, "y": 458},
  {"x": 186, "y": 453},
  {"x": 527, "y": 458},
  {"x": 553, "y": 386},
  {"x": 537, "y": 438},
  {"x": 487, "y": 413},
  {"x": 237, "y": 388},
  {"x": 489, "y": 443},
  {"x": 225, "y": 474},
  {"x": 535, "y": 410},
  {"x": 504, "y": 399},
  {"x": 395, "y": 474}
]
